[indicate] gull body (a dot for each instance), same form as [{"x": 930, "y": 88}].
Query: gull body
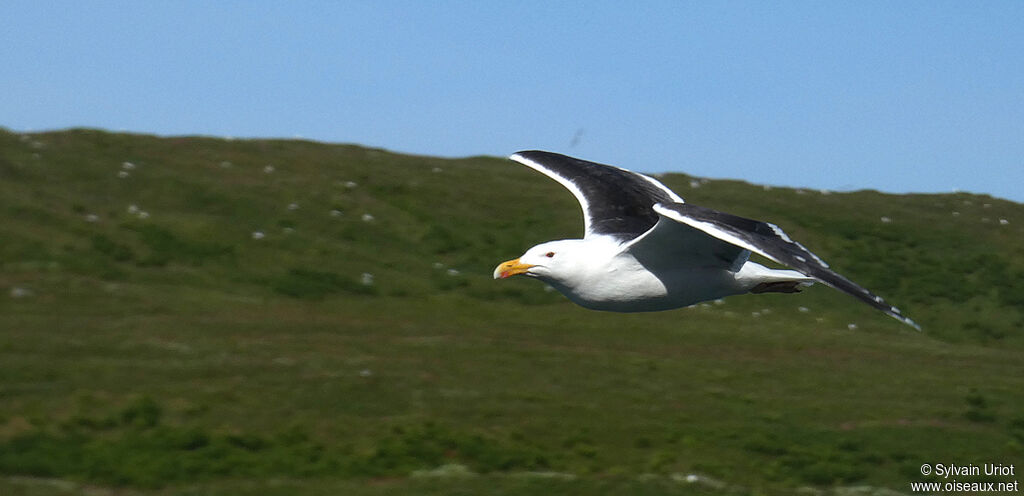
[{"x": 600, "y": 274}]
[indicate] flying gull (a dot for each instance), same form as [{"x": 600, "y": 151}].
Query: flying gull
[{"x": 645, "y": 249}]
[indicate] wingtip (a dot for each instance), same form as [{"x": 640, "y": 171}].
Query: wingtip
[
  {"x": 895, "y": 312},
  {"x": 908, "y": 321}
]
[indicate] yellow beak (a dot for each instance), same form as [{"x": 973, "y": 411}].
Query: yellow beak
[{"x": 511, "y": 268}]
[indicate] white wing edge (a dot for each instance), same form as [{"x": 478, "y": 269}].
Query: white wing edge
[
  {"x": 713, "y": 231},
  {"x": 567, "y": 184},
  {"x": 662, "y": 223},
  {"x": 671, "y": 194}
]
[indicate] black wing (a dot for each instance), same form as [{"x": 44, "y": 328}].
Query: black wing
[
  {"x": 770, "y": 241},
  {"x": 615, "y": 202}
]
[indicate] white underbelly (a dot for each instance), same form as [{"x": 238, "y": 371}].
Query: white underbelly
[{"x": 643, "y": 291}]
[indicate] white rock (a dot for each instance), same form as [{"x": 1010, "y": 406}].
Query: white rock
[
  {"x": 19, "y": 292},
  {"x": 268, "y": 169},
  {"x": 335, "y": 213},
  {"x": 127, "y": 165},
  {"x": 350, "y": 184},
  {"x": 122, "y": 174},
  {"x": 852, "y": 327},
  {"x": 258, "y": 235},
  {"x": 367, "y": 218},
  {"x": 1003, "y": 222},
  {"x": 92, "y": 218},
  {"x": 886, "y": 220},
  {"x": 133, "y": 209},
  {"x": 366, "y": 279},
  {"x": 293, "y": 206}
]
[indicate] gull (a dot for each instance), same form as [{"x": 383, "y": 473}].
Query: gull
[{"x": 645, "y": 249}]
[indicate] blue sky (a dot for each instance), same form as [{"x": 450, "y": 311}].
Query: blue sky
[{"x": 897, "y": 96}]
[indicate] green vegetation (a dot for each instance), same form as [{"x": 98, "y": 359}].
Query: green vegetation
[{"x": 201, "y": 316}]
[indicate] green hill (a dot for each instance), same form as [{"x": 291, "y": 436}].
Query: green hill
[{"x": 196, "y": 315}]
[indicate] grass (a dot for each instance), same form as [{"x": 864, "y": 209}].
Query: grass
[{"x": 174, "y": 353}]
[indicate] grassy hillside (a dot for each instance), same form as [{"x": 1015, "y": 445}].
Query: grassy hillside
[{"x": 195, "y": 315}]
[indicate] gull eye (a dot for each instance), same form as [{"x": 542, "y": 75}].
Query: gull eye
[{"x": 549, "y": 254}]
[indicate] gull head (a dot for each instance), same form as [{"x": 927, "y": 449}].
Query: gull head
[{"x": 555, "y": 261}]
